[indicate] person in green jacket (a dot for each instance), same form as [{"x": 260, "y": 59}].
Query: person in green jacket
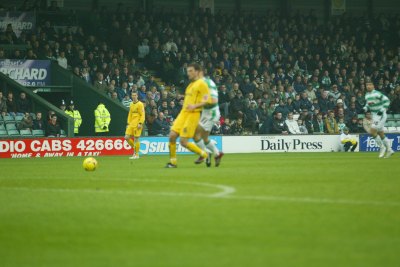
[
  {"x": 102, "y": 119},
  {"x": 71, "y": 111}
]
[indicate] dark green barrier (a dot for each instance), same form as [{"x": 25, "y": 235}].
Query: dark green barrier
[
  {"x": 60, "y": 77},
  {"x": 86, "y": 99},
  {"x": 38, "y": 103}
]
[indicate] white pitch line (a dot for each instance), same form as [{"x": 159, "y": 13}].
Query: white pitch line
[
  {"x": 314, "y": 200},
  {"x": 306, "y": 200},
  {"x": 225, "y": 190}
]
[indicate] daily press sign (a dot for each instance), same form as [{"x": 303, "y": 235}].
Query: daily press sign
[
  {"x": 27, "y": 72},
  {"x": 280, "y": 143}
]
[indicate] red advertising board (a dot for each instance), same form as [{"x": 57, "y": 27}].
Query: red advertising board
[{"x": 63, "y": 147}]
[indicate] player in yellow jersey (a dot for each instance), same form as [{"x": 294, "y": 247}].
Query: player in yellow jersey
[
  {"x": 135, "y": 124},
  {"x": 196, "y": 96}
]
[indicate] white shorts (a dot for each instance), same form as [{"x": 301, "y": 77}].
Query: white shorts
[
  {"x": 378, "y": 122},
  {"x": 208, "y": 118}
]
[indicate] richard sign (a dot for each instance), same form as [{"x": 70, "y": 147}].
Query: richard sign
[{"x": 27, "y": 72}]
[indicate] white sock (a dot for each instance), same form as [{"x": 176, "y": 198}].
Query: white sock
[
  {"x": 211, "y": 146},
  {"x": 378, "y": 140},
  {"x": 386, "y": 143},
  {"x": 201, "y": 144}
]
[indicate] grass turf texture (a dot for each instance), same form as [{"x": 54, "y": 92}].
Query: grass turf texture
[{"x": 314, "y": 209}]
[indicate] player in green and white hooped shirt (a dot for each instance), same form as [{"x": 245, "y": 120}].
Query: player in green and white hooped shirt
[
  {"x": 377, "y": 103},
  {"x": 209, "y": 116}
]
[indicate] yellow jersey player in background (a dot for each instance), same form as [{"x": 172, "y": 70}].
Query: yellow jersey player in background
[
  {"x": 135, "y": 122},
  {"x": 196, "y": 96}
]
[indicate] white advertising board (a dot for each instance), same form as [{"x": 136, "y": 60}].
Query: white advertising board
[{"x": 281, "y": 143}]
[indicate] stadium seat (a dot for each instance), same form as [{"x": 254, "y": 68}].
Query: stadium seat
[
  {"x": 8, "y": 119},
  {"x": 2, "y": 127},
  {"x": 3, "y": 133},
  {"x": 390, "y": 116},
  {"x": 396, "y": 116},
  {"x": 18, "y": 118},
  {"x": 390, "y": 124},
  {"x": 13, "y": 133},
  {"x": 397, "y": 123},
  {"x": 63, "y": 133},
  {"x": 25, "y": 132},
  {"x": 38, "y": 133},
  {"x": 33, "y": 115},
  {"x": 11, "y": 126},
  {"x": 392, "y": 129},
  {"x": 361, "y": 116}
]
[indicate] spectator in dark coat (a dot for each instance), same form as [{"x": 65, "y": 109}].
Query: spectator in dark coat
[
  {"x": 282, "y": 108},
  {"x": 38, "y": 122},
  {"x": 305, "y": 103},
  {"x": 290, "y": 105},
  {"x": 223, "y": 100},
  {"x": 173, "y": 110},
  {"x": 331, "y": 103},
  {"x": 353, "y": 125},
  {"x": 11, "y": 104},
  {"x": 237, "y": 105},
  {"x": 298, "y": 85},
  {"x": 226, "y": 127},
  {"x": 360, "y": 126},
  {"x": 297, "y": 104},
  {"x": 53, "y": 128},
  {"x": 315, "y": 105},
  {"x": 23, "y": 104},
  {"x": 266, "y": 127},
  {"x": 252, "y": 119},
  {"x": 168, "y": 71},
  {"x": 350, "y": 113},
  {"x": 155, "y": 57},
  {"x": 100, "y": 84},
  {"x": 247, "y": 87},
  {"x": 160, "y": 126},
  {"x": 262, "y": 112},
  {"x": 26, "y": 123},
  {"x": 279, "y": 126},
  {"x": 237, "y": 127},
  {"x": 319, "y": 124},
  {"x": 142, "y": 95},
  {"x": 323, "y": 102},
  {"x": 118, "y": 78},
  {"x": 309, "y": 123},
  {"x": 3, "y": 105},
  {"x": 123, "y": 91}
]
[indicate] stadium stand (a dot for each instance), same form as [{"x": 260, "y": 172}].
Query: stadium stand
[
  {"x": 13, "y": 133},
  {"x": 268, "y": 59},
  {"x": 38, "y": 133},
  {"x": 26, "y": 133}
]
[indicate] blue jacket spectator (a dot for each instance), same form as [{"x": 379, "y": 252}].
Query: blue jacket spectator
[{"x": 123, "y": 91}]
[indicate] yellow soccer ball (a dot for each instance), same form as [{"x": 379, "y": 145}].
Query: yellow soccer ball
[{"x": 90, "y": 164}]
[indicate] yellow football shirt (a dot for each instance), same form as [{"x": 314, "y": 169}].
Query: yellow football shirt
[
  {"x": 136, "y": 114},
  {"x": 195, "y": 93}
]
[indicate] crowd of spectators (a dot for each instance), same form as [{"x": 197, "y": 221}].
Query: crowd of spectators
[{"x": 281, "y": 74}]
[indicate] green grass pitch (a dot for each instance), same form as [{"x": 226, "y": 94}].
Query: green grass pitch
[{"x": 287, "y": 209}]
